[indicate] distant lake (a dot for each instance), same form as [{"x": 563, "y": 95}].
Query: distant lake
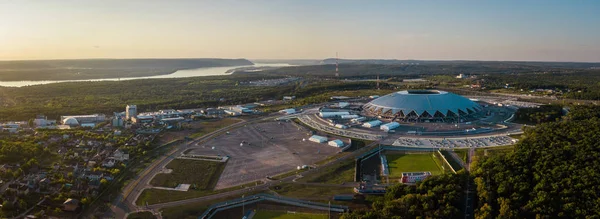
[{"x": 178, "y": 74}]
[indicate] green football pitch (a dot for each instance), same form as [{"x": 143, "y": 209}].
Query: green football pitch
[{"x": 399, "y": 163}]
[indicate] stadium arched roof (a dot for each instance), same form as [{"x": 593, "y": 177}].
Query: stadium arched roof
[{"x": 422, "y": 104}]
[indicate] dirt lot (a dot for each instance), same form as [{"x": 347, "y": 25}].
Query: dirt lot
[{"x": 268, "y": 149}]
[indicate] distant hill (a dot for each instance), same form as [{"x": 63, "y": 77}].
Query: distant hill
[
  {"x": 581, "y": 65},
  {"x": 289, "y": 61},
  {"x": 37, "y": 70}
]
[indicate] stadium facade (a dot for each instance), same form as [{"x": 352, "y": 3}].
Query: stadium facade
[{"x": 423, "y": 106}]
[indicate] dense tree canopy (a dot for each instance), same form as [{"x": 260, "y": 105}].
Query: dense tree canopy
[{"x": 553, "y": 172}]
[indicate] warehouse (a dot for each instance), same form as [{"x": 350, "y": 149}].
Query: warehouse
[
  {"x": 349, "y": 116},
  {"x": 336, "y": 143},
  {"x": 371, "y": 124},
  {"x": 318, "y": 139},
  {"x": 389, "y": 126},
  {"x": 332, "y": 114}
]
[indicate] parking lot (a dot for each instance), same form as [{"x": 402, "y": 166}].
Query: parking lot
[{"x": 263, "y": 149}]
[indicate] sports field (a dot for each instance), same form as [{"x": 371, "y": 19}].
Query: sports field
[
  {"x": 399, "y": 163},
  {"x": 263, "y": 214}
]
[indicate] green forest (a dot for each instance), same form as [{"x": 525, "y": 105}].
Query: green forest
[
  {"x": 54, "y": 100},
  {"x": 553, "y": 172}
]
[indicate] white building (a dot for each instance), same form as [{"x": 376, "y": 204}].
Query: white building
[
  {"x": 70, "y": 121},
  {"x": 318, "y": 139},
  {"x": 332, "y": 114},
  {"x": 413, "y": 177},
  {"x": 349, "y": 116},
  {"x": 289, "y": 97},
  {"x": 389, "y": 126},
  {"x": 341, "y": 126},
  {"x": 336, "y": 143},
  {"x": 288, "y": 111},
  {"x": 94, "y": 118},
  {"x": 130, "y": 111},
  {"x": 232, "y": 113},
  {"x": 371, "y": 124},
  {"x": 461, "y": 76}
]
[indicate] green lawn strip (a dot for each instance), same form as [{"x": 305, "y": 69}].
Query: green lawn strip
[
  {"x": 453, "y": 162},
  {"x": 290, "y": 173},
  {"x": 499, "y": 150},
  {"x": 213, "y": 125},
  {"x": 156, "y": 196},
  {"x": 463, "y": 154},
  {"x": 141, "y": 215},
  {"x": 399, "y": 163},
  {"x": 335, "y": 174},
  {"x": 263, "y": 214},
  {"x": 311, "y": 192},
  {"x": 204, "y": 177}
]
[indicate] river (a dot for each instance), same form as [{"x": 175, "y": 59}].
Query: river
[{"x": 178, "y": 74}]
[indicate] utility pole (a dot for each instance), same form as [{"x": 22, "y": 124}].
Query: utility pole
[
  {"x": 337, "y": 74},
  {"x": 243, "y": 206},
  {"x": 329, "y": 211}
]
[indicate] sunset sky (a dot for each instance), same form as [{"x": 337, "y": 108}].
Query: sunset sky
[{"x": 280, "y": 29}]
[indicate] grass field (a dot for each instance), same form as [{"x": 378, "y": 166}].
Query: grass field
[
  {"x": 202, "y": 175},
  {"x": 263, "y": 214},
  {"x": 399, "y": 163},
  {"x": 336, "y": 174},
  {"x": 213, "y": 125}
]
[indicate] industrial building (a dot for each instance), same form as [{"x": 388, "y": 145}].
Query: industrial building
[
  {"x": 142, "y": 119},
  {"x": 232, "y": 113},
  {"x": 332, "y": 114},
  {"x": 130, "y": 111},
  {"x": 318, "y": 139},
  {"x": 70, "y": 121},
  {"x": 371, "y": 124},
  {"x": 389, "y": 126},
  {"x": 422, "y": 106},
  {"x": 81, "y": 119},
  {"x": 336, "y": 143},
  {"x": 42, "y": 121},
  {"x": 413, "y": 177}
]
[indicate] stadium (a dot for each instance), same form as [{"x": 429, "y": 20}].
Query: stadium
[{"x": 423, "y": 106}]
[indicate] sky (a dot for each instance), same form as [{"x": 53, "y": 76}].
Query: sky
[{"x": 524, "y": 30}]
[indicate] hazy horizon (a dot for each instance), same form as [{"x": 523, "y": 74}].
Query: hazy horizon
[{"x": 548, "y": 31}]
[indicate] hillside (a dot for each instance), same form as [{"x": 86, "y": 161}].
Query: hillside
[{"x": 38, "y": 70}]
